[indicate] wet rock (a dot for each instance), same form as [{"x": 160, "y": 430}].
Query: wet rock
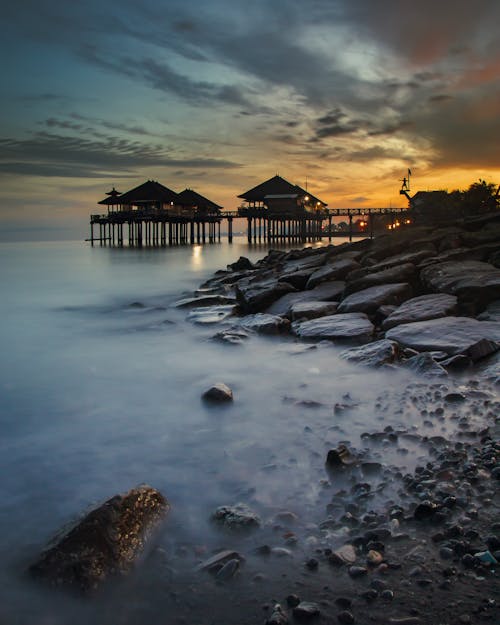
[
  {"x": 292, "y": 601},
  {"x": 278, "y": 617},
  {"x": 325, "y": 292},
  {"x": 311, "y": 310},
  {"x": 233, "y": 336},
  {"x": 257, "y": 296},
  {"x": 399, "y": 274},
  {"x": 217, "y": 561},
  {"x": 374, "y": 558},
  {"x": 370, "y": 299},
  {"x": 369, "y": 595},
  {"x": 422, "y": 308},
  {"x": 322, "y": 275},
  {"x": 345, "y": 555},
  {"x": 343, "y": 602},
  {"x": 453, "y": 335},
  {"x": 237, "y": 517},
  {"x": 228, "y": 570},
  {"x": 211, "y": 314},
  {"x": 373, "y": 354},
  {"x": 345, "y": 617},
  {"x": 297, "y": 279},
  {"x": 218, "y": 393},
  {"x": 351, "y": 327},
  {"x": 357, "y": 571},
  {"x": 425, "y": 364},
  {"x": 204, "y": 301},
  {"x": 265, "y": 324},
  {"x": 425, "y": 511},
  {"x": 481, "y": 349},
  {"x": 241, "y": 264},
  {"x": 475, "y": 283},
  {"x": 339, "y": 458},
  {"x": 306, "y": 610},
  {"x": 106, "y": 542}
]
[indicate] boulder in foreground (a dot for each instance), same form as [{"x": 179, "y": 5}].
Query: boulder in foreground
[
  {"x": 374, "y": 354},
  {"x": 350, "y": 327},
  {"x": 453, "y": 335},
  {"x": 105, "y": 542}
]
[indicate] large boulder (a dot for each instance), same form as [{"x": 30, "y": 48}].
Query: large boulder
[
  {"x": 368, "y": 300},
  {"x": 311, "y": 310},
  {"x": 421, "y": 308},
  {"x": 475, "y": 283},
  {"x": 335, "y": 270},
  {"x": 325, "y": 292},
  {"x": 393, "y": 275},
  {"x": 265, "y": 324},
  {"x": 452, "y": 335},
  {"x": 256, "y": 296},
  {"x": 353, "y": 328},
  {"x": 106, "y": 542},
  {"x": 298, "y": 279},
  {"x": 374, "y": 354}
]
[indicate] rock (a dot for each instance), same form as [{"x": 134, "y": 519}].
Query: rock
[
  {"x": 404, "y": 620},
  {"x": 492, "y": 312},
  {"x": 265, "y": 324},
  {"x": 256, "y": 296},
  {"x": 205, "y": 300},
  {"x": 357, "y": 571},
  {"x": 106, "y": 542},
  {"x": 345, "y": 617},
  {"x": 475, "y": 283},
  {"x": 373, "y": 354},
  {"x": 345, "y": 555},
  {"x": 298, "y": 279},
  {"x": 422, "y": 308},
  {"x": 325, "y": 292},
  {"x": 425, "y": 511},
  {"x": 339, "y": 458},
  {"x": 368, "y": 300},
  {"x": 211, "y": 314},
  {"x": 351, "y": 327},
  {"x": 238, "y": 517},
  {"x": 278, "y": 617},
  {"x": 482, "y": 349},
  {"x": 401, "y": 273},
  {"x": 374, "y": 558},
  {"x": 229, "y": 570},
  {"x": 292, "y": 601},
  {"x": 217, "y": 561},
  {"x": 218, "y": 393},
  {"x": 425, "y": 364},
  {"x": 306, "y": 611},
  {"x": 233, "y": 336},
  {"x": 311, "y": 310},
  {"x": 336, "y": 270},
  {"x": 453, "y": 335},
  {"x": 241, "y": 264}
]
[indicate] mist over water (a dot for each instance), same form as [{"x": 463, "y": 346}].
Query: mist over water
[{"x": 101, "y": 379}]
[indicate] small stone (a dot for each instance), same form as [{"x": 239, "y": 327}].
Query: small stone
[
  {"x": 292, "y": 601},
  {"x": 346, "y": 554},
  {"x": 229, "y": 570},
  {"x": 387, "y": 595},
  {"x": 343, "y": 602},
  {"x": 312, "y": 564},
  {"x": 345, "y": 617},
  {"x": 306, "y": 610},
  {"x": 357, "y": 571},
  {"x": 425, "y": 511},
  {"x": 278, "y": 617},
  {"x": 369, "y": 595},
  {"x": 374, "y": 558}
]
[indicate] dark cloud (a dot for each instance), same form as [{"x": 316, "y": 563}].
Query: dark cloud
[{"x": 56, "y": 155}]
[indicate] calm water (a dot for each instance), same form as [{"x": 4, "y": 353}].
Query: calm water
[{"x": 99, "y": 394}]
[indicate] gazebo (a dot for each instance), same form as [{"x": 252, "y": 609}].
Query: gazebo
[
  {"x": 279, "y": 196},
  {"x": 200, "y": 205}
]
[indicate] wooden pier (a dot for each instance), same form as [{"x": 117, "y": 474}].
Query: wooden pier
[{"x": 144, "y": 227}]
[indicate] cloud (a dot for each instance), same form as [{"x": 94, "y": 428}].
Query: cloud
[{"x": 57, "y": 155}]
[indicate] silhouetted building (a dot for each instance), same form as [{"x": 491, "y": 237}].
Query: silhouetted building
[{"x": 277, "y": 195}]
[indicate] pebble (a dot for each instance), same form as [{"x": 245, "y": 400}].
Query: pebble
[
  {"x": 345, "y": 617},
  {"x": 387, "y": 595},
  {"x": 357, "y": 571},
  {"x": 292, "y": 601},
  {"x": 369, "y": 595},
  {"x": 306, "y": 610}
]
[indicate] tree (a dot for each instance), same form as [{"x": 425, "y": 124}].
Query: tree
[{"x": 480, "y": 197}]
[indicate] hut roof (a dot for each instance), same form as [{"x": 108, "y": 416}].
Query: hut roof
[
  {"x": 149, "y": 191},
  {"x": 113, "y": 197},
  {"x": 188, "y": 197},
  {"x": 277, "y": 187}
]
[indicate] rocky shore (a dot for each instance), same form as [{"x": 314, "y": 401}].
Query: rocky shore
[{"x": 419, "y": 546}]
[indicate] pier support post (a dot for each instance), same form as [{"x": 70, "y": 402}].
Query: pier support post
[{"x": 230, "y": 229}]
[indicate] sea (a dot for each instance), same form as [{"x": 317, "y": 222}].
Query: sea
[{"x": 101, "y": 378}]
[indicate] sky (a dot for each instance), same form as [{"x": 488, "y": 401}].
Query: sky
[{"x": 219, "y": 95}]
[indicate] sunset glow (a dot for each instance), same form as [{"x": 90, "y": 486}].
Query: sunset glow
[{"x": 343, "y": 96}]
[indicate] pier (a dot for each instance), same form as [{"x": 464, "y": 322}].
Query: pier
[{"x": 275, "y": 212}]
